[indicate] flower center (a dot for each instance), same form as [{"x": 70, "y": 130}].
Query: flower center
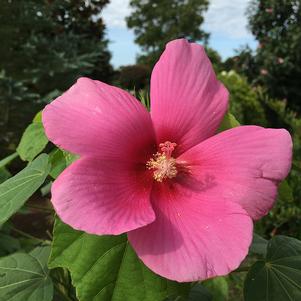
[{"x": 163, "y": 164}]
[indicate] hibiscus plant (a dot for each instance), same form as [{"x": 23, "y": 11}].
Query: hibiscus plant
[{"x": 150, "y": 203}]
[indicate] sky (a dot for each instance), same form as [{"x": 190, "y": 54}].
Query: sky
[{"x": 225, "y": 20}]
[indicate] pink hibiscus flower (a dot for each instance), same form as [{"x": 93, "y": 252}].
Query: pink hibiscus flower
[{"x": 185, "y": 195}]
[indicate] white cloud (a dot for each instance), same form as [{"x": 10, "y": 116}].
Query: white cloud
[
  {"x": 115, "y": 12},
  {"x": 227, "y": 18},
  {"x": 224, "y": 17}
]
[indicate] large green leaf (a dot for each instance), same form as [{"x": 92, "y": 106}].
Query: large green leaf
[
  {"x": 105, "y": 268},
  {"x": 24, "y": 277},
  {"x": 16, "y": 190},
  {"x": 278, "y": 278},
  {"x": 33, "y": 141}
]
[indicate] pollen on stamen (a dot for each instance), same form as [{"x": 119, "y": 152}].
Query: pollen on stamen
[{"x": 163, "y": 164}]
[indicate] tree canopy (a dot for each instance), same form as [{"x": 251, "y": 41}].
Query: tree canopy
[
  {"x": 49, "y": 43},
  {"x": 276, "y": 24},
  {"x": 45, "y": 46},
  {"x": 159, "y": 21}
]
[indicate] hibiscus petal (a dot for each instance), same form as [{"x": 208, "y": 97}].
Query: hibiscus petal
[
  {"x": 244, "y": 165},
  {"x": 187, "y": 101},
  {"x": 192, "y": 238},
  {"x": 95, "y": 118},
  {"x": 103, "y": 196}
]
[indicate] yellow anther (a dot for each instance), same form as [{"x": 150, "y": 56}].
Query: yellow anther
[{"x": 163, "y": 164}]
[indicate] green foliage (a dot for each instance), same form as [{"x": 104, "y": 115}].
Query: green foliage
[
  {"x": 4, "y": 174},
  {"x": 18, "y": 103},
  {"x": 218, "y": 288},
  {"x": 102, "y": 267},
  {"x": 15, "y": 191},
  {"x": 26, "y": 277},
  {"x": 215, "y": 59},
  {"x": 244, "y": 102},
  {"x": 259, "y": 245},
  {"x": 243, "y": 62},
  {"x": 144, "y": 97},
  {"x": 8, "y": 159},
  {"x": 215, "y": 289},
  {"x": 134, "y": 77},
  {"x": 278, "y": 277},
  {"x": 58, "y": 162},
  {"x": 277, "y": 27},
  {"x": 106, "y": 268},
  {"x": 77, "y": 44},
  {"x": 33, "y": 141},
  {"x": 285, "y": 192},
  {"x": 285, "y": 216},
  {"x": 45, "y": 46},
  {"x": 281, "y": 116},
  {"x": 69, "y": 157},
  {"x": 157, "y": 22},
  {"x": 228, "y": 122},
  {"x": 8, "y": 244},
  {"x": 253, "y": 106},
  {"x": 199, "y": 293}
]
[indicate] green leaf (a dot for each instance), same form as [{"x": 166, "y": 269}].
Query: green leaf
[
  {"x": 105, "y": 268},
  {"x": 58, "y": 162},
  {"x": 33, "y": 141},
  {"x": 228, "y": 122},
  {"x": 15, "y": 191},
  {"x": 218, "y": 287},
  {"x": 25, "y": 276},
  {"x": 278, "y": 278},
  {"x": 144, "y": 98},
  {"x": 38, "y": 117},
  {"x": 60, "y": 159},
  {"x": 70, "y": 158},
  {"x": 259, "y": 245},
  {"x": 8, "y": 159},
  {"x": 4, "y": 174}
]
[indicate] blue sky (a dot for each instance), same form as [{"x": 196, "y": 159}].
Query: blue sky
[{"x": 225, "y": 20}]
